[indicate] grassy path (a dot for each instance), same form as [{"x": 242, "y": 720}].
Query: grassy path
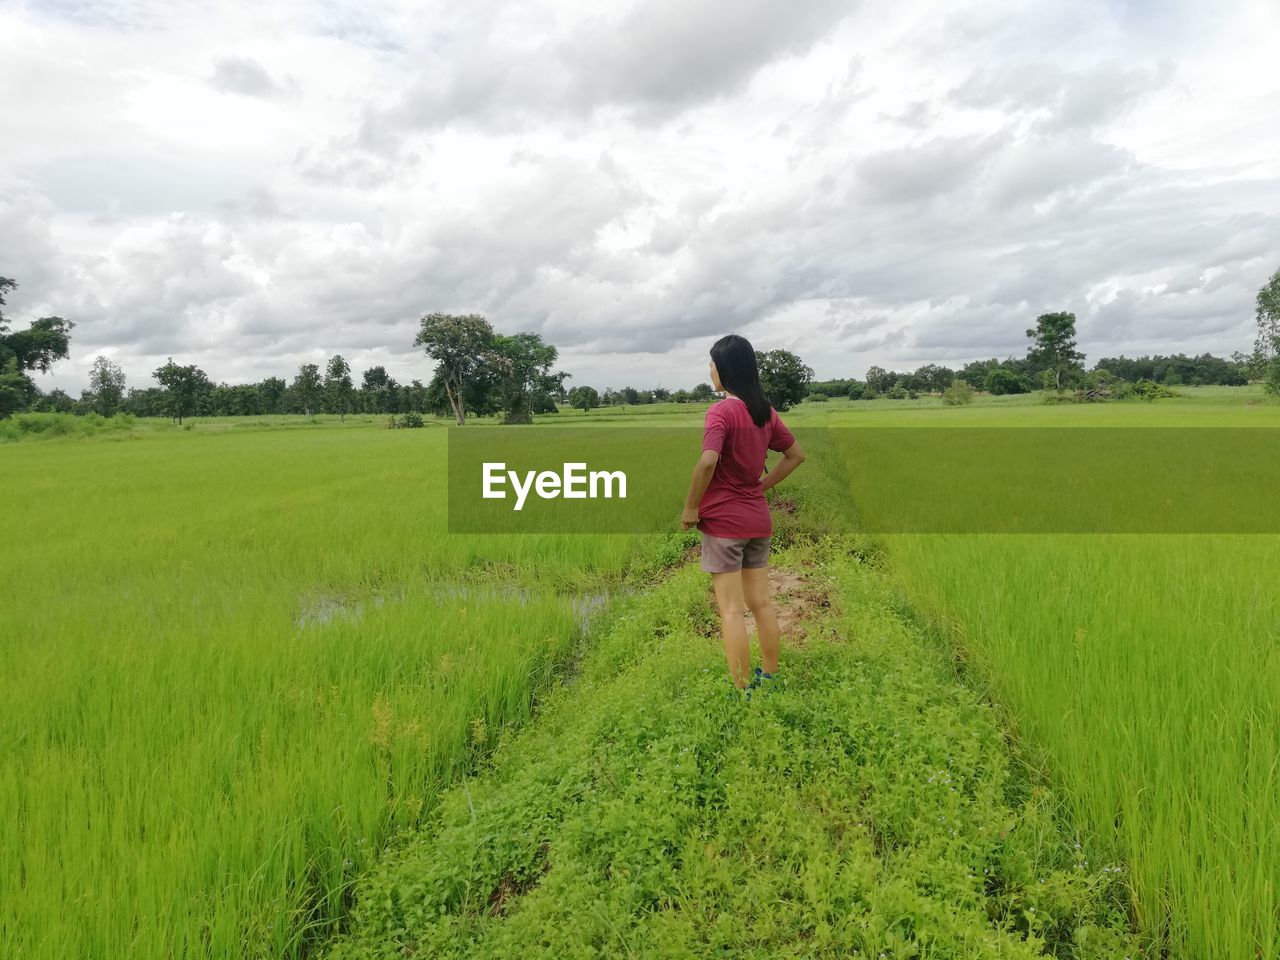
[{"x": 872, "y": 807}]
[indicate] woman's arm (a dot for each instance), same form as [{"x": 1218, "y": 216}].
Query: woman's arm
[
  {"x": 792, "y": 457},
  {"x": 698, "y": 484}
]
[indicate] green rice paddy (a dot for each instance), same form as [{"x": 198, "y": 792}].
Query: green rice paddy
[{"x": 250, "y": 677}]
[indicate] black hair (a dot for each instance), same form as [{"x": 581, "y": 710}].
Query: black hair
[{"x": 735, "y": 361}]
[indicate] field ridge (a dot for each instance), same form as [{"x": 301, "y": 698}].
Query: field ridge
[{"x": 871, "y": 805}]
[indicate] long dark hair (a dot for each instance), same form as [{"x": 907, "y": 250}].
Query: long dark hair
[{"x": 735, "y": 361}]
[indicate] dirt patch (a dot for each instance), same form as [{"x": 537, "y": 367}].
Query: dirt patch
[
  {"x": 510, "y": 888},
  {"x": 797, "y": 602}
]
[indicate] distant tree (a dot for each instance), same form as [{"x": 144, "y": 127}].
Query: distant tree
[
  {"x": 934, "y": 378},
  {"x": 271, "y": 395},
  {"x": 702, "y": 393},
  {"x": 584, "y": 398},
  {"x": 958, "y": 394},
  {"x": 784, "y": 377},
  {"x": 307, "y": 388},
  {"x": 878, "y": 379},
  {"x": 184, "y": 387},
  {"x": 524, "y": 365},
  {"x": 463, "y": 348},
  {"x": 379, "y": 392},
  {"x": 106, "y": 386},
  {"x": 1054, "y": 345},
  {"x": 629, "y": 395},
  {"x": 13, "y": 388},
  {"x": 414, "y": 398},
  {"x": 856, "y": 390},
  {"x": 55, "y": 401},
  {"x": 661, "y": 395},
  {"x": 339, "y": 392},
  {"x": 1268, "y": 343},
  {"x": 1001, "y": 380},
  {"x": 36, "y": 348}
]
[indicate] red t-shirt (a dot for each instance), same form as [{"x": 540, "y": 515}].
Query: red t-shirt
[{"x": 734, "y": 504}]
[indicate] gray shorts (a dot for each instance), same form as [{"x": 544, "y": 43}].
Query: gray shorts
[{"x": 727, "y": 554}]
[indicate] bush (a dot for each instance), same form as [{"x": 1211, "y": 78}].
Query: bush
[
  {"x": 1150, "y": 390},
  {"x": 1271, "y": 379},
  {"x": 1001, "y": 380},
  {"x": 958, "y": 394},
  {"x": 26, "y": 425},
  {"x": 856, "y": 391},
  {"x": 898, "y": 392},
  {"x": 816, "y": 398},
  {"x": 408, "y": 420}
]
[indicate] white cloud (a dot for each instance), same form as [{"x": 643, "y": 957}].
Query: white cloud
[{"x": 275, "y": 182}]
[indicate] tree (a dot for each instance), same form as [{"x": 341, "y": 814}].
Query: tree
[
  {"x": 958, "y": 394},
  {"x": 106, "y": 386},
  {"x": 878, "y": 379},
  {"x": 271, "y": 394},
  {"x": 13, "y": 388},
  {"x": 1054, "y": 338},
  {"x": 702, "y": 393},
  {"x": 307, "y": 387},
  {"x": 379, "y": 392},
  {"x": 524, "y": 364},
  {"x": 934, "y": 378},
  {"x": 184, "y": 387},
  {"x": 339, "y": 392},
  {"x": 784, "y": 377},
  {"x": 584, "y": 398},
  {"x": 36, "y": 348},
  {"x": 414, "y": 398},
  {"x": 463, "y": 349},
  {"x": 1268, "y": 343},
  {"x": 1001, "y": 380}
]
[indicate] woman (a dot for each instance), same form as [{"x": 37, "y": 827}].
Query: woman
[{"x": 726, "y": 502}]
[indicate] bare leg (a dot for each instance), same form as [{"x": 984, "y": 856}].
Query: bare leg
[
  {"x": 755, "y": 591},
  {"x": 733, "y": 625}
]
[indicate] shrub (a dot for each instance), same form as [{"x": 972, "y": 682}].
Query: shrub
[
  {"x": 411, "y": 420},
  {"x": 897, "y": 392},
  {"x": 958, "y": 394},
  {"x": 1001, "y": 380},
  {"x": 816, "y": 398},
  {"x": 1271, "y": 380},
  {"x": 856, "y": 391},
  {"x": 1150, "y": 390}
]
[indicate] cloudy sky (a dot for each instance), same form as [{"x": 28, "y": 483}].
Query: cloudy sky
[{"x": 254, "y": 186}]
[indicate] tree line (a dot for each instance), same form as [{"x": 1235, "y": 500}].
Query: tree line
[{"x": 484, "y": 373}]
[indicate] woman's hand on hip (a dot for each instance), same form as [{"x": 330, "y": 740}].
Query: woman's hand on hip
[{"x": 689, "y": 518}]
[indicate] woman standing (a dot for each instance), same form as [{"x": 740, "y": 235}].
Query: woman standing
[{"x": 726, "y": 502}]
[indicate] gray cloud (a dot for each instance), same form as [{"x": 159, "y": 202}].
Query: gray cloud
[
  {"x": 245, "y": 76},
  {"x": 1083, "y": 98},
  {"x": 633, "y": 183},
  {"x": 654, "y": 60}
]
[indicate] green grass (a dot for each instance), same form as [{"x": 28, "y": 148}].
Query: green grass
[
  {"x": 1140, "y": 670},
  {"x": 868, "y": 808},
  {"x": 245, "y": 656},
  {"x": 236, "y": 663},
  {"x": 1146, "y": 669}
]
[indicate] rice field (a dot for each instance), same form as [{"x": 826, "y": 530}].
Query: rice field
[
  {"x": 1145, "y": 670},
  {"x": 235, "y": 664},
  {"x": 245, "y": 663}
]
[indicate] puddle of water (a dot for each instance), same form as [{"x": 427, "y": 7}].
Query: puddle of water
[{"x": 323, "y": 610}]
